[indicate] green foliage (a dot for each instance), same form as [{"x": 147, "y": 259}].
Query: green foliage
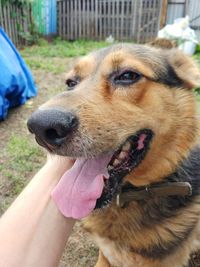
[
  {"x": 31, "y": 35},
  {"x": 42, "y": 42},
  {"x": 196, "y": 57},
  {"x": 197, "y": 91},
  {"x": 197, "y": 48},
  {"x": 18, "y": 3}
]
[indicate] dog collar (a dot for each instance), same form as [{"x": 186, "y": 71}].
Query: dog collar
[{"x": 131, "y": 193}]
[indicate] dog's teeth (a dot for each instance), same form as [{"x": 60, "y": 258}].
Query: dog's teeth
[
  {"x": 123, "y": 155},
  {"x": 126, "y": 146},
  {"x": 110, "y": 168},
  {"x": 116, "y": 162}
]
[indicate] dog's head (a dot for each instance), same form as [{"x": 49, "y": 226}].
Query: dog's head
[{"x": 131, "y": 104}]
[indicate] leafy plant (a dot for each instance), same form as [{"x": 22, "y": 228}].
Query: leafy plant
[
  {"x": 18, "y": 3},
  {"x": 29, "y": 35},
  {"x": 197, "y": 48}
]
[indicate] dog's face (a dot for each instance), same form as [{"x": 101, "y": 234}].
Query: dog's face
[{"x": 131, "y": 101}]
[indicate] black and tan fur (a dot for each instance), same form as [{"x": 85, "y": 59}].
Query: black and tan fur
[{"x": 160, "y": 232}]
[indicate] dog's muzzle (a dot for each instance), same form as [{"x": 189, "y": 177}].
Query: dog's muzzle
[{"x": 52, "y": 126}]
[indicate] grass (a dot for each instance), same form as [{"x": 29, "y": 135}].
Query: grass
[
  {"x": 45, "y": 64},
  {"x": 61, "y": 48},
  {"x": 22, "y": 152},
  {"x": 51, "y": 57},
  {"x": 23, "y": 158}
]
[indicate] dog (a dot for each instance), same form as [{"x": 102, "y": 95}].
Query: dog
[{"x": 133, "y": 104}]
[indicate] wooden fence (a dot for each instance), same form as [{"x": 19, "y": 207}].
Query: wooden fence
[
  {"x": 15, "y": 21},
  {"x": 136, "y": 20}
]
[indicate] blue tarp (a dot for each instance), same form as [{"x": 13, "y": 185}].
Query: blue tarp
[{"x": 16, "y": 81}]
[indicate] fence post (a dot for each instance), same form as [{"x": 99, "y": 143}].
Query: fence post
[
  {"x": 163, "y": 15},
  {"x": 139, "y": 20},
  {"x": 186, "y": 7}
]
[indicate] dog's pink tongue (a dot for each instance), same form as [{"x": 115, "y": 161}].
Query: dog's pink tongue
[{"x": 80, "y": 187}]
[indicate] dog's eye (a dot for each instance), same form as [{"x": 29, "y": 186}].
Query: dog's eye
[
  {"x": 71, "y": 83},
  {"x": 126, "y": 78}
]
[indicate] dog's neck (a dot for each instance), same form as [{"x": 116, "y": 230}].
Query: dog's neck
[
  {"x": 188, "y": 171},
  {"x": 184, "y": 182},
  {"x": 157, "y": 215},
  {"x": 159, "y": 209}
]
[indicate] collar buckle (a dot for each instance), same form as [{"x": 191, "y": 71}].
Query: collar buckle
[
  {"x": 166, "y": 189},
  {"x": 119, "y": 200}
]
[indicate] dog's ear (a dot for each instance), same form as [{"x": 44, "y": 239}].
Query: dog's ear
[
  {"x": 185, "y": 68},
  {"x": 163, "y": 43}
]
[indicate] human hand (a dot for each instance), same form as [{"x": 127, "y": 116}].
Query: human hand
[{"x": 59, "y": 164}]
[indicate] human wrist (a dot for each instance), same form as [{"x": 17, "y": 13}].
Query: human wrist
[{"x": 58, "y": 165}]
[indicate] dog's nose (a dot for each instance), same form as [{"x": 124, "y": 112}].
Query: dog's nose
[{"x": 52, "y": 126}]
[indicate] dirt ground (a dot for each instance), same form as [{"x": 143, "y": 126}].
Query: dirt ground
[{"x": 80, "y": 250}]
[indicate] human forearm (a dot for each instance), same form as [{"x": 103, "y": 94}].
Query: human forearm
[{"x": 32, "y": 228}]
